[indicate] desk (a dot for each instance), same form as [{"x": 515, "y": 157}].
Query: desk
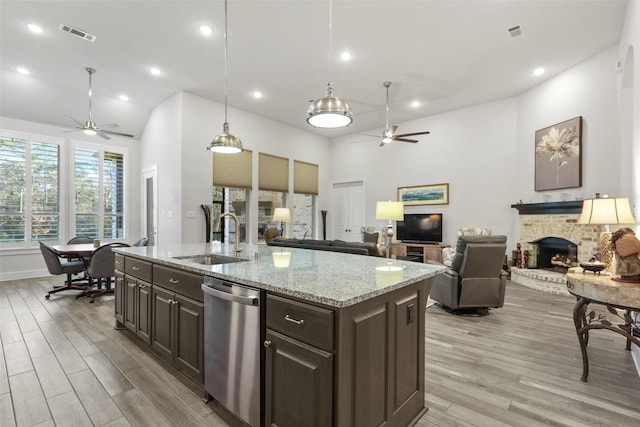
[
  {"x": 602, "y": 290},
  {"x": 74, "y": 250}
]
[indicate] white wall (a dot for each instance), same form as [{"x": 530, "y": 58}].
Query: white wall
[
  {"x": 17, "y": 263},
  {"x": 176, "y": 138},
  {"x": 487, "y": 152},
  {"x": 629, "y": 84}
]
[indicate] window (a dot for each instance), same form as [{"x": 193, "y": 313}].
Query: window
[
  {"x": 99, "y": 193},
  {"x": 29, "y": 190},
  {"x": 305, "y": 187},
  {"x": 232, "y": 200}
]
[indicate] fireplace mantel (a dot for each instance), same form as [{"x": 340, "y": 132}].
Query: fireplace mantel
[{"x": 549, "y": 208}]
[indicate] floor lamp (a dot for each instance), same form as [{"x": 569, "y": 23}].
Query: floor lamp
[
  {"x": 605, "y": 211},
  {"x": 392, "y": 211}
]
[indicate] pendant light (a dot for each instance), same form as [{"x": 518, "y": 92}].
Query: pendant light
[
  {"x": 330, "y": 111},
  {"x": 225, "y": 142}
]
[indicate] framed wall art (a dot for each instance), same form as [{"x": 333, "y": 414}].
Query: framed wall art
[
  {"x": 434, "y": 194},
  {"x": 558, "y": 151}
]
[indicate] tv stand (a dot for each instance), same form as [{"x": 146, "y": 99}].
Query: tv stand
[{"x": 423, "y": 251}]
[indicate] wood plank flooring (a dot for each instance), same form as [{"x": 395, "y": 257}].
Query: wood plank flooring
[{"x": 62, "y": 363}]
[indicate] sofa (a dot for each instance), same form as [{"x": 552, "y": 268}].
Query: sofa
[{"x": 359, "y": 248}]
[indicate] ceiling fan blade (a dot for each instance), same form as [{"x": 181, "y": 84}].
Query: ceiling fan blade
[
  {"x": 110, "y": 132},
  {"x": 79, "y": 123},
  {"x": 412, "y": 134},
  {"x": 102, "y": 134},
  {"x": 108, "y": 126},
  {"x": 405, "y": 140},
  {"x": 72, "y": 130}
]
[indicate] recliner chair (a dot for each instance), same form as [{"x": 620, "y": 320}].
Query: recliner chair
[{"x": 475, "y": 279}]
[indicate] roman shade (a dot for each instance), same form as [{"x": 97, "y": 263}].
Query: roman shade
[
  {"x": 233, "y": 170},
  {"x": 305, "y": 178},
  {"x": 273, "y": 173}
]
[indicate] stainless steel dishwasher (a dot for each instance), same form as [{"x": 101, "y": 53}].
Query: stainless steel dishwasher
[{"x": 233, "y": 351}]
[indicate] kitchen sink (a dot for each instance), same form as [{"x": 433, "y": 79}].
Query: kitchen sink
[{"x": 210, "y": 259}]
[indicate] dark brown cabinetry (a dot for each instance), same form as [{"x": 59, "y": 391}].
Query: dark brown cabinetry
[
  {"x": 299, "y": 364},
  {"x": 119, "y": 292},
  {"x": 360, "y": 365},
  {"x": 178, "y": 321}
]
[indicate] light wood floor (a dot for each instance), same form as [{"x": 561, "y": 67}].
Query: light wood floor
[{"x": 62, "y": 363}]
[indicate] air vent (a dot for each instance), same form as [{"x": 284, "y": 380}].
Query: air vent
[
  {"x": 515, "y": 31},
  {"x": 78, "y": 33}
]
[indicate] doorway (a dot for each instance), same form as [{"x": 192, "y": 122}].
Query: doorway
[
  {"x": 349, "y": 211},
  {"x": 149, "y": 204}
]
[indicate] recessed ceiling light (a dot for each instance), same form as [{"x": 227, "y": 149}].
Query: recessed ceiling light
[
  {"x": 22, "y": 70},
  {"x": 345, "y": 56},
  {"x": 35, "y": 28},
  {"x": 257, "y": 94},
  {"x": 415, "y": 104},
  {"x": 155, "y": 71},
  {"x": 206, "y": 30},
  {"x": 538, "y": 71},
  {"x": 124, "y": 98}
]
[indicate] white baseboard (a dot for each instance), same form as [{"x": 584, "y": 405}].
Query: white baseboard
[{"x": 27, "y": 274}]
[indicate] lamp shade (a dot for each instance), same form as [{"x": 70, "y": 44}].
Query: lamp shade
[
  {"x": 606, "y": 211},
  {"x": 282, "y": 214},
  {"x": 390, "y": 210}
]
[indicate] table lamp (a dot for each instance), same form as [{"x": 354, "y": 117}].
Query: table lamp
[
  {"x": 392, "y": 211},
  {"x": 283, "y": 215},
  {"x": 606, "y": 211}
]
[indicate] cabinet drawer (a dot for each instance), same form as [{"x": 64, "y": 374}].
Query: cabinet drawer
[
  {"x": 119, "y": 262},
  {"x": 137, "y": 268},
  {"x": 307, "y": 323},
  {"x": 184, "y": 283}
]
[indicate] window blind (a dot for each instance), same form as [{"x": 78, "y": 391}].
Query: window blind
[
  {"x": 305, "y": 178},
  {"x": 113, "y": 191},
  {"x": 273, "y": 173},
  {"x": 87, "y": 192},
  {"x": 45, "y": 191},
  {"x": 233, "y": 170}
]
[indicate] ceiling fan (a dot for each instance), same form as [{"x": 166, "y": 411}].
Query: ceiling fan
[
  {"x": 90, "y": 127},
  {"x": 389, "y": 132}
]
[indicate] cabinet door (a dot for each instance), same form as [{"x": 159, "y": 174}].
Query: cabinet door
[
  {"x": 189, "y": 348},
  {"x": 130, "y": 302},
  {"x": 120, "y": 292},
  {"x": 144, "y": 311},
  {"x": 162, "y": 331},
  {"x": 298, "y": 385}
]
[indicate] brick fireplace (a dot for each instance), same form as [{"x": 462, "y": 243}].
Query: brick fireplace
[{"x": 557, "y": 224}]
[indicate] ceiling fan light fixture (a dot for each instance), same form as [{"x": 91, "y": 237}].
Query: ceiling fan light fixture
[{"x": 329, "y": 112}]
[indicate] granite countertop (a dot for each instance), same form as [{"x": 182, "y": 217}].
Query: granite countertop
[{"x": 329, "y": 278}]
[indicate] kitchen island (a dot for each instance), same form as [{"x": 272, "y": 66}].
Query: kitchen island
[{"x": 343, "y": 334}]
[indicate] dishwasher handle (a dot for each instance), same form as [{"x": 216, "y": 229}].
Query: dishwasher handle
[{"x": 250, "y": 300}]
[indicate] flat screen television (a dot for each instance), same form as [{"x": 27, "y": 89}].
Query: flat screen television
[{"x": 420, "y": 228}]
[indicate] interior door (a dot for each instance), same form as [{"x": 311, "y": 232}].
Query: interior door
[
  {"x": 149, "y": 204},
  {"x": 349, "y": 216}
]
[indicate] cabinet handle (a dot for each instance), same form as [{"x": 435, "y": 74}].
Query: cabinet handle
[
  {"x": 135, "y": 268},
  {"x": 118, "y": 262},
  {"x": 132, "y": 285},
  {"x": 142, "y": 286},
  {"x": 292, "y": 320},
  {"x": 267, "y": 344},
  {"x": 174, "y": 281}
]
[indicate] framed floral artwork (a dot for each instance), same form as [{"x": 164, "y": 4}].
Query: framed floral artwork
[{"x": 559, "y": 156}]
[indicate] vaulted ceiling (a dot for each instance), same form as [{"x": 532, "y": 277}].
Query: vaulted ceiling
[{"x": 446, "y": 54}]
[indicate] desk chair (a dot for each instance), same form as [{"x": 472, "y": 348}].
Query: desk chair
[
  {"x": 102, "y": 268},
  {"x": 56, "y": 267},
  {"x": 142, "y": 242}
]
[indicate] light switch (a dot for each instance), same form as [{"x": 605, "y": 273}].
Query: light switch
[{"x": 169, "y": 214}]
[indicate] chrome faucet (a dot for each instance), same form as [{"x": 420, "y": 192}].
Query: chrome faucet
[{"x": 236, "y": 249}]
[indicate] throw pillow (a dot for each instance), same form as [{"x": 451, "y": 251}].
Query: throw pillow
[{"x": 370, "y": 237}]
